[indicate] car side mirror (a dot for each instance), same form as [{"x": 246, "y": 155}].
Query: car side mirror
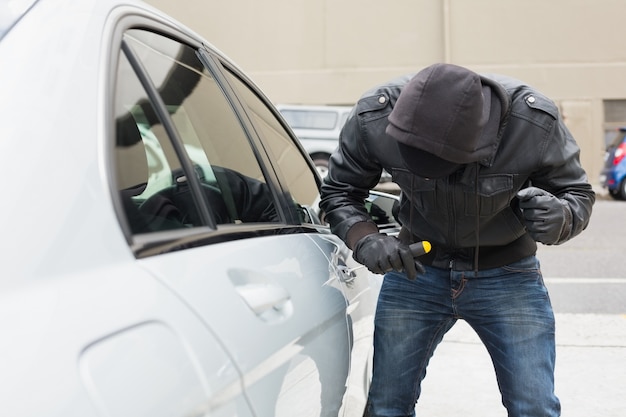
[{"x": 383, "y": 209}]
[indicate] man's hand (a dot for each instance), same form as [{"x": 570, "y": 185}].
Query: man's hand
[
  {"x": 381, "y": 253},
  {"x": 548, "y": 220}
]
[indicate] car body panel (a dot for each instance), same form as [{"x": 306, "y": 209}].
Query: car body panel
[{"x": 54, "y": 346}]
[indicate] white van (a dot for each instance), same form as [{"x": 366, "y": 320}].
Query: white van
[{"x": 317, "y": 128}]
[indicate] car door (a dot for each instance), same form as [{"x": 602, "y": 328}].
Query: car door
[
  {"x": 240, "y": 247},
  {"x": 360, "y": 287}
]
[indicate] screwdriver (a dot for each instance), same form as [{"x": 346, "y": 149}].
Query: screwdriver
[{"x": 420, "y": 248}]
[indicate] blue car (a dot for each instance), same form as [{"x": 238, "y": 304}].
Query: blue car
[{"x": 613, "y": 175}]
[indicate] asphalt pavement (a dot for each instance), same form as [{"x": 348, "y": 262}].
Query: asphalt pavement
[{"x": 591, "y": 355}]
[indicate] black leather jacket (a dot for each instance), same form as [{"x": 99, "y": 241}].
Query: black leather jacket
[{"x": 471, "y": 217}]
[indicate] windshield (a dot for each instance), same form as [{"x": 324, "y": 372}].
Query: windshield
[{"x": 11, "y": 11}]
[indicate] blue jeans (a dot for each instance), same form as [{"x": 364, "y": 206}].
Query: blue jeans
[{"x": 509, "y": 309}]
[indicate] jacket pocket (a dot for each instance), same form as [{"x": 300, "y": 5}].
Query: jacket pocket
[
  {"x": 492, "y": 195},
  {"x": 419, "y": 190}
]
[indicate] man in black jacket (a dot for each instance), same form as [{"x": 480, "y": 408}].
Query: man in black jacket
[{"x": 487, "y": 168}]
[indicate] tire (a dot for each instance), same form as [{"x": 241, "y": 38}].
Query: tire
[
  {"x": 615, "y": 194},
  {"x": 621, "y": 190},
  {"x": 321, "y": 164}
]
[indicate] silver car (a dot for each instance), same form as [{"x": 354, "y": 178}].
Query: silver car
[{"x": 162, "y": 249}]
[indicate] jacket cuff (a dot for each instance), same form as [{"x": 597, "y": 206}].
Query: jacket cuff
[
  {"x": 566, "y": 230},
  {"x": 358, "y": 231}
]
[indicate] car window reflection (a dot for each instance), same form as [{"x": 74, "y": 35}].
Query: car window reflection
[{"x": 231, "y": 181}]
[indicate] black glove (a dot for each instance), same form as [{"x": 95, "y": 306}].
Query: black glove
[
  {"x": 381, "y": 253},
  {"x": 548, "y": 219}
]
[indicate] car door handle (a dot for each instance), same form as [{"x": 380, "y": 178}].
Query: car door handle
[
  {"x": 269, "y": 301},
  {"x": 263, "y": 297}
]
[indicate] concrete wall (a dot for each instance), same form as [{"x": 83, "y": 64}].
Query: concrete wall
[{"x": 330, "y": 51}]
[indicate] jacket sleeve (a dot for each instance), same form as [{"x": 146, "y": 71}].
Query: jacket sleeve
[
  {"x": 352, "y": 173},
  {"x": 561, "y": 174}
]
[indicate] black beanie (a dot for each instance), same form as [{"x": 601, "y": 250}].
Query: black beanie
[{"x": 438, "y": 120}]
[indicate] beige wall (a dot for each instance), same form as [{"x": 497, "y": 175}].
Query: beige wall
[{"x": 330, "y": 51}]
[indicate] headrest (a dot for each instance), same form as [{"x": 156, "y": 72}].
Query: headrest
[{"x": 130, "y": 155}]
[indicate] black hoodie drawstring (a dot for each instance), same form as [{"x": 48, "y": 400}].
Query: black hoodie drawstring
[{"x": 411, "y": 211}]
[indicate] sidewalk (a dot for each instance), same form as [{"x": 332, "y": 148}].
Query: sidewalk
[{"x": 590, "y": 371}]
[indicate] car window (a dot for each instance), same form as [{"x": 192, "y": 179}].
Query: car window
[
  {"x": 187, "y": 125},
  {"x": 299, "y": 178}
]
